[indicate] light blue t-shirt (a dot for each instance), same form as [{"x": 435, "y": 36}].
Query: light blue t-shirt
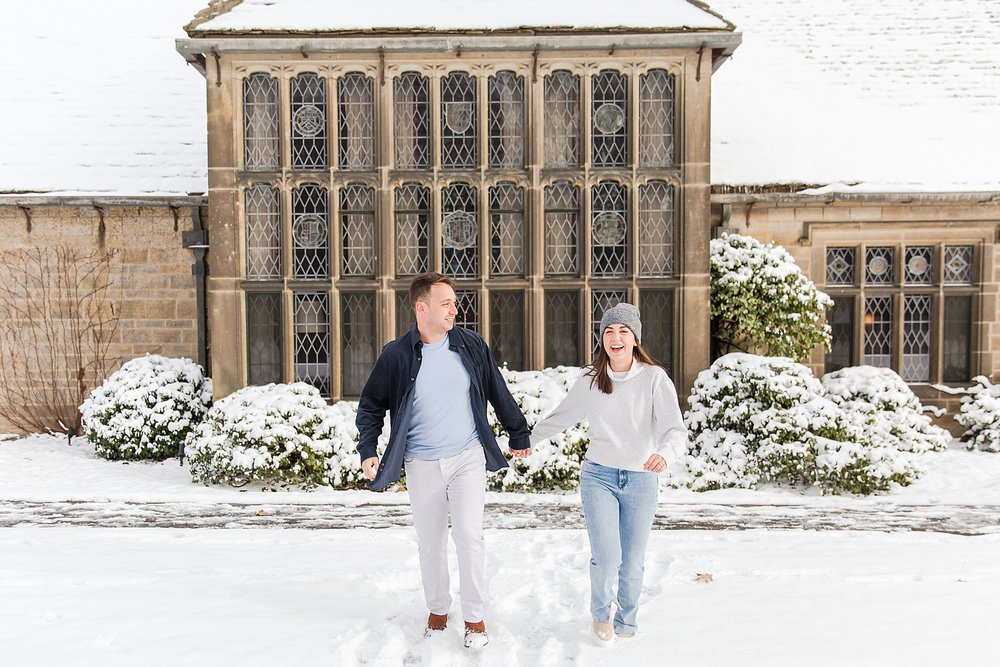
[{"x": 442, "y": 425}]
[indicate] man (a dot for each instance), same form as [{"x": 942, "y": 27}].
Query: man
[{"x": 435, "y": 381}]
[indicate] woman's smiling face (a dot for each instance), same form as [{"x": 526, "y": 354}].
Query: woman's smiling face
[{"x": 619, "y": 341}]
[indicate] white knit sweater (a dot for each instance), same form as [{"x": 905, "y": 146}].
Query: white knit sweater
[{"x": 640, "y": 417}]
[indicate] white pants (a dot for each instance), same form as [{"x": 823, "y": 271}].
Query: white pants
[{"x": 454, "y": 486}]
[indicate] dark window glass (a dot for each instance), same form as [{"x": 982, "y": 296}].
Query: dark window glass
[
  {"x": 507, "y": 329},
  {"x": 841, "y": 320},
  {"x": 957, "y": 343},
  {"x": 263, "y": 338},
  {"x": 657, "y": 308},
  {"x": 357, "y": 342},
  {"x": 562, "y": 317}
]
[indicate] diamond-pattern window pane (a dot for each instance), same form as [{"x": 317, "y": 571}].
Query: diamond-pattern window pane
[
  {"x": 413, "y": 209},
  {"x": 916, "y": 338},
  {"x": 562, "y": 221},
  {"x": 562, "y": 119},
  {"x": 467, "y": 305},
  {"x": 309, "y": 134},
  {"x": 656, "y": 229},
  {"x": 411, "y": 121},
  {"x": 310, "y": 233},
  {"x": 357, "y": 341},
  {"x": 506, "y": 120},
  {"x": 658, "y": 325},
  {"x": 506, "y": 230},
  {"x": 312, "y": 340},
  {"x": 562, "y": 317},
  {"x": 405, "y": 318},
  {"x": 263, "y": 228},
  {"x": 601, "y": 300},
  {"x": 840, "y": 263},
  {"x": 261, "y": 132},
  {"x": 878, "y": 331},
  {"x": 878, "y": 265},
  {"x": 357, "y": 230},
  {"x": 609, "y": 119},
  {"x": 918, "y": 269},
  {"x": 458, "y": 122},
  {"x": 956, "y": 362},
  {"x": 958, "y": 264},
  {"x": 507, "y": 329},
  {"x": 609, "y": 228},
  {"x": 357, "y": 122},
  {"x": 460, "y": 231},
  {"x": 263, "y": 338},
  {"x": 656, "y": 119}
]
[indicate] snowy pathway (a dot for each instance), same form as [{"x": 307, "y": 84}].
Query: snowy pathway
[{"x": 956, "y": 519}]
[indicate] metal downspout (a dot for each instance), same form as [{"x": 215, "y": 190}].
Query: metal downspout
[{"x": 196, "y": 239}]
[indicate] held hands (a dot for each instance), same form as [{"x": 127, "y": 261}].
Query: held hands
[
  {"x": 655, "y": 463},
  {"x": 521, "y": 453},
  {"x": 370, "y": 467}
]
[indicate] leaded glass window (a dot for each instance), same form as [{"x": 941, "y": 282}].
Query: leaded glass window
[
  {"x": 261, "y": 132},
  {"x": 356, "y": 122},
  {"x": 507, "y": 329},
  {"x": 958, "y": 264},
  {"x": 506, "y": 230},
  {"x": 467, "y": 305},
  {"x": 357, "y": 231},
  {"x": 357, "y": 341},
  {"x": 841, "y": 320},
  {"x": 656, "y": 229},
  {"x": 312, "y": 340},
  {"x": 506, "y": 116},
  {"x": 878, "y": 331},
  {"x": 310, "y": 232},
  {"x": 562, "y": 119},
  {"x": 263, "y": 338},
  {"x": 957, "y": 344},
  {"x": 656, "y": 119},
  {"x": 609, "y": 226},
  {"x": 562, "y": 317},
  {"x": 309, "y": 133},
  {"x": 601, "y": 300},
  {"x": 918, "y": 269},
  {"x": 878, "y": 265},
  {"x": 916, "y": 338},
  {"x": 458, "y": 122},
  {"x": 840, "y": 264},
  {"x": 459, "y": 231},
  {"x": 263, "y": 229},
  {"x": 411, "y": 121},
  {"x": 405, "y": 317},
  {"x": 562, "y": 216},
  {"x": 413, "y": 212},
  {"x": 609, "y": 119},
  {"x": 657, "y": 306}
]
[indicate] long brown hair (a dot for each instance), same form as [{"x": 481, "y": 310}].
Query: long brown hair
[{"x": 599, "y": 369}]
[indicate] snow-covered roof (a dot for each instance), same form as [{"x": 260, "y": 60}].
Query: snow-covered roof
[
  {"x": 96, "y": 99},
  {"x": 324, "y": 16},
  {"x": 893, "y": 95}
]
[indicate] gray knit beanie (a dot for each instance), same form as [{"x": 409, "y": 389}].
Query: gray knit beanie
[{"x": 623, "y": 313}]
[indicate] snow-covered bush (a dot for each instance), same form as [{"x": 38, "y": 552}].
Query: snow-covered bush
[
  {"x": 277, "y": 435},
  {"x": 891, "y": 413},
  {"x": 147, "y": 408},
  {"x": 760, "y": 419},
  {"x": 980, "y": 414},
  {"x": 762, "y": 302},
  {"x": 555, "y": 463}
]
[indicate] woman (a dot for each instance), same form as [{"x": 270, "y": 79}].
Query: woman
[{"x": 635, "y": 422}]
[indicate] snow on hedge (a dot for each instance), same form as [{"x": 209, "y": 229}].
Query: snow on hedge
[
  {"x": 890, "y": 411},
  {"x": 756, "y": 419},
  {"x": 147, "y": 408},
  {"x": 980, "y": 414},
  {"x": 277, "y": 435}
]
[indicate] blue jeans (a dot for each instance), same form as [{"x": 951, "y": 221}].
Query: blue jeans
[{"x": 619, "y": 506}]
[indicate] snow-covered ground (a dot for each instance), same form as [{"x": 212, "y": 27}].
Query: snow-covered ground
[{"x": 163, "y": 596}]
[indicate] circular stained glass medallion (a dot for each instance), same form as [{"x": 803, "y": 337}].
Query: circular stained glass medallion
[
  {"x": 458, "y": 116},
  {"x": 609, "y": 228},
  {"x": 308, "y": 120},
  {"x": 458, "y": 230},
  {"x": 878, "y": 266},
  {"x": 309, "y": 231},
  {"x": 609, "y": 118},
  {"x": 918, "y": 265}
]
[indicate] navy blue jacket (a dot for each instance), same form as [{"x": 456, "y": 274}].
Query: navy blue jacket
[{"x": 390, "y": 388}]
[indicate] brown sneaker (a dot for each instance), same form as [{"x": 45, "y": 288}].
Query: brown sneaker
[
  {"x": 475, "y": 635},
  {"x": 436, "y": 623}
]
